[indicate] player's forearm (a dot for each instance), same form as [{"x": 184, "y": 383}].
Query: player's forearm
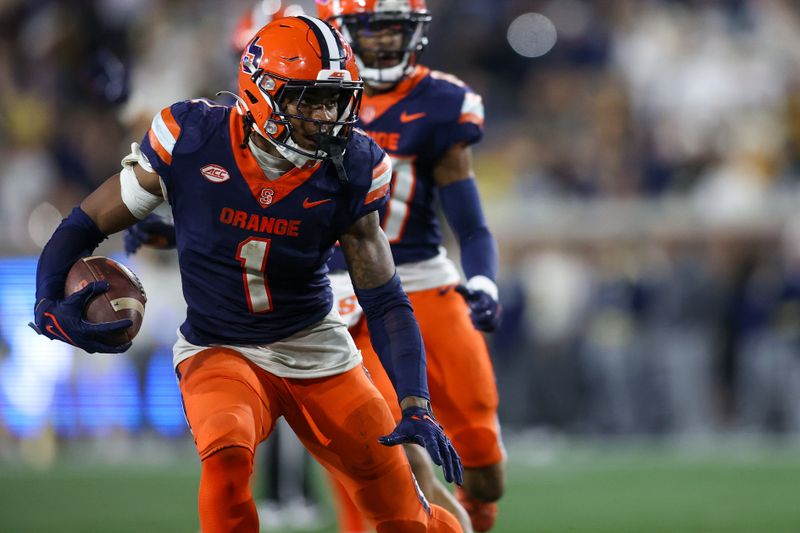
[
  {"x": 396, "y": 338},
  {"x": 462, "y": 207},
  {"x": 368, "y": 255},
  {"x": 414, "y": 401},
  {"x": 77, "y": 236},
  {"x": 393, "y": 330}
]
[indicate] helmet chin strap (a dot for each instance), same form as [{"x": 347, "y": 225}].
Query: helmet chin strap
[
  {"x": 298, "y": 160},
  {"x": 332, "y": 146}
]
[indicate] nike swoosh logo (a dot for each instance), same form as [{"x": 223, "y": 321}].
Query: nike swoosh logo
[
  {"x": 309, "y": 205},
  {"x": 405, "y": 117}
]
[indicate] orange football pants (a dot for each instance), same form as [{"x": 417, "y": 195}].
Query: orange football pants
[
  {"x": 460, "y": 375},
  {"x": 230, "y": 402}
]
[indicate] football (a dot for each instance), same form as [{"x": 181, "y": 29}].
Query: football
[{"x": 125, "y": 297}]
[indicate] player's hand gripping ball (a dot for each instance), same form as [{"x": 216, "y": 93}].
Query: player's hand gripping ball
[{"x": 101, "y": 311}]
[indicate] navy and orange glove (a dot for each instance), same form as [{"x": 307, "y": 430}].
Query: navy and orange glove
[
  {"x": 153, "y": 231},
  {"x": 484, "y": 309},
  {"x": 419, "y": 426},
  {"x": 62, "y": 320}
]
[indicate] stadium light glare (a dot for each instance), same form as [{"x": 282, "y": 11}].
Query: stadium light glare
[
  {"x": 42, "y": 222},
  {"x": 532, "y": 35}
]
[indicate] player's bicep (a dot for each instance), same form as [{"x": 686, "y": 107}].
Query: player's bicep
[
  {"x": 106, "y": 208},
  {"x": 113, "y": 208},
  {"x": 367, "y": 252},
  {"x": 149, "y": 181},
  {"x": 455, "y": 165}
]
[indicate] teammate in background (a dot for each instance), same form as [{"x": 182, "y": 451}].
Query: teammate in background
[
  {"x": 426, "y": 121},
  {"x": 259, "y": 194}
]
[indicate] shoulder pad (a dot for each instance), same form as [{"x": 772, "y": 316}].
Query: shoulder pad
[
  {"x": 448, "y": 78},
  {"x": 455, "y": 98},
  {"x": 362, "y": 156},
  {"x": 197, "y": 120}
]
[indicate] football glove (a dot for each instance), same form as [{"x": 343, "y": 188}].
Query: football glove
[
  {"x": 484, "y": 310},
  {"x": 153, "y": 231},
  {"x": 418, "y": 426},
  {"x": 62, "y": 320}
]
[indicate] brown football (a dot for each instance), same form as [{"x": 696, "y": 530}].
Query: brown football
[{"x": 125, "y": 297}]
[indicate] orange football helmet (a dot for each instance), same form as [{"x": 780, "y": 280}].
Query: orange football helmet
[
  {"x": 363, "y": 18},
  {"x": 292, "y": 59}
]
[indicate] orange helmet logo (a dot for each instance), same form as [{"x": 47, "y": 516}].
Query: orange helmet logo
[{"x": 252, "y": 57}]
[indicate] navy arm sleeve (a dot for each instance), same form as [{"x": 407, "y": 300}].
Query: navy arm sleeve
[
  {"x": 77, "y": 236},
  {"x": 395, "y": 335},
  {"x": 462, "y": 207}
]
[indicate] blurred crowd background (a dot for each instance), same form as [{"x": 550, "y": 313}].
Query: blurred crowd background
[{"x": 639, "y": 169}]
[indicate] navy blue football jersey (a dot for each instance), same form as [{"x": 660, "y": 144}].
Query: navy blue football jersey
[
  {"x": 416, "y": 123},
  {"x": 253, "y": 251}
]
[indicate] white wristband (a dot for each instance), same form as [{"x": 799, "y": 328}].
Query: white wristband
[{"x": 482, "y": 283}]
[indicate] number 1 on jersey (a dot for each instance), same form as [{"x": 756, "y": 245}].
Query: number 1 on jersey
[
  {"x": 403, "y": 180},
  {"x": 252, "y": 254}
]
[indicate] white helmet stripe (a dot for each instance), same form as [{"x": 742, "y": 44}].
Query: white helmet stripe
[{"x": 332, "y": 49}]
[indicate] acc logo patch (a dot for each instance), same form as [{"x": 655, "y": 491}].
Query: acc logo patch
[{"x": 215, "y": 173}]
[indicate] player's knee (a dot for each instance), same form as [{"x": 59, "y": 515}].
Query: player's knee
[
  {"x": 225, "y": 429},
  {"x": 491, "y": 491},
  {"x": 228, "y": 469},
  {"x": 485, "y": 484},
  {"x": 372, "y": 418}
]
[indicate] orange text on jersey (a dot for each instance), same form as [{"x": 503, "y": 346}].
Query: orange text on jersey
[
  {"x": 259, "y": 223},
  {"x": 387, "y": 141}
]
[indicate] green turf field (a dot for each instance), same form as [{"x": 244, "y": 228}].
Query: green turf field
[{"x": 572, "y": 489}]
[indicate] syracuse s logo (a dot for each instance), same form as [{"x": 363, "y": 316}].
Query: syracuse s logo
[
  {"x": 266, "y": 197},
  {"x": 252, "y": 57},
  {"x": 215, "y": 173}
]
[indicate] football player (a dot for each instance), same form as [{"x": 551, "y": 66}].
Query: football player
[
  {"x": 260, "y": 192},
  {"x": 426, "y": 121},
  {"x": 287, "y": 498}
]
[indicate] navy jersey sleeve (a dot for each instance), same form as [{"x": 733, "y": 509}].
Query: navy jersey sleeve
[
  {"x": 179, "y": 129},
  {"x": 469, "y": 128},
  {"x": 370, "y": 177},
  {"x": 464, "y": 123},
  {"x": 159, "y": 142}
]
